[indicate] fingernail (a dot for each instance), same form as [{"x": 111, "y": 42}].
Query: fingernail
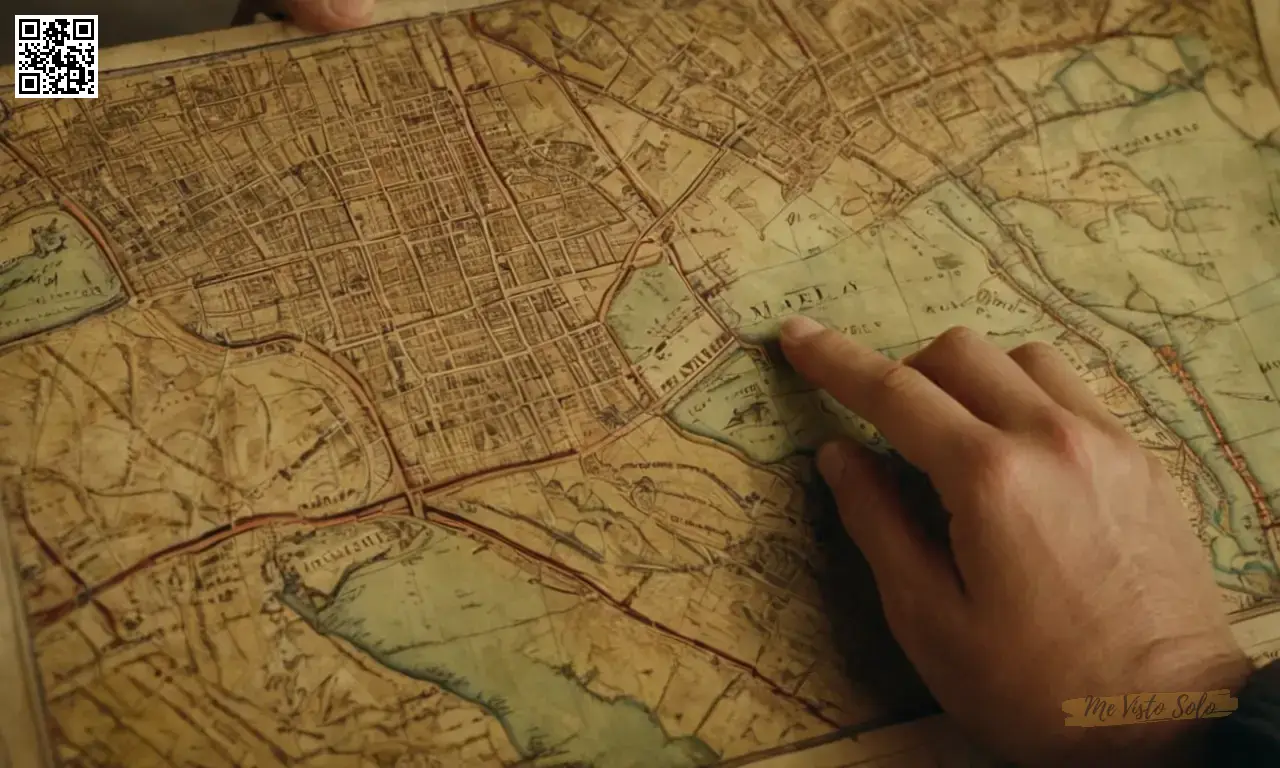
[
  {"x": 831, "y": 462},
  {"x": 355, "y": 10},
  {"x": 798, "y": 328}
]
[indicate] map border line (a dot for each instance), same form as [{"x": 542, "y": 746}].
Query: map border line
[
  {"x": 143, "y": 56},
  {"x": 276, "y": 35}
]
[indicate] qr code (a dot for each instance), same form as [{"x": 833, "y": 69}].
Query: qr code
[{"x": 57, "y": 57}]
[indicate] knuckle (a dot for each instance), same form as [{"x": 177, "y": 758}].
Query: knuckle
[
  {"x": 896, "y": 380},
  {"x": 1066, "y": 436}
]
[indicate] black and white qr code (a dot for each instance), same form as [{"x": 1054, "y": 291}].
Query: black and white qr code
[{"x": 57, "y": 57}]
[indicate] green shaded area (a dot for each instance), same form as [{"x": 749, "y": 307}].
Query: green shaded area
[
  {"x": 653, "y": 306},
  {"x": 51, "y": 272},
  {"x": 763, "y": 409},
  {"x": 1191, "y": 270},
  {"x": 474, "y": 624},
  {"x": 1182, "y": 259}
]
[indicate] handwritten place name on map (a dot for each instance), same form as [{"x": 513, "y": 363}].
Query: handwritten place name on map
[
  {"x": 318, "y": 559},
  {"x": 267, "y": 349},
  {"x": 695, "y": 363},
  {"x": 1157, "y": 137},
  {"x": 802, "y": 298},
  {"x": 985, "y": 300},
  {"x": 325, "y": 500},
  {"x": 862, "y": 329},
  {"x": 664, "y": 331},
  {"x": 368, "y": 541},
  {"x": 51, "y": 272}
]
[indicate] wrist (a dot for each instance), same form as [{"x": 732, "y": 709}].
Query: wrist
[
  {"x": 1212, "y": 661},
  {"x": 1179, "y": 734}
]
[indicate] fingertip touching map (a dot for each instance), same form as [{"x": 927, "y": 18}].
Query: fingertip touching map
[{"x": 406, "y": 397}]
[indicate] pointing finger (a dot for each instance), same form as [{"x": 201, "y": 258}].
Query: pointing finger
[
  {"x": 1048, "y": 368},
  {"x": 925, "y": 424},
  {"x": 983, "y": 378}
]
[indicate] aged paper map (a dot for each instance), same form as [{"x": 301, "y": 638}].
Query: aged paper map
[{"x": 404, "y": 397}]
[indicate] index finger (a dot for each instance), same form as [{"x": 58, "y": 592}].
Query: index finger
[{"x": 925, "y": 424}]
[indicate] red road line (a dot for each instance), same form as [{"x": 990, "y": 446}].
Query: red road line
[
  {"x": 1169, "y": 358},
  {"x": 199, "y": 544},
  {"x": 441, "y": 517},
  {"x": 454, "y": 520}
]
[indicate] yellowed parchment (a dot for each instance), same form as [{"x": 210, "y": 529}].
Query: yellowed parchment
[{"x": 404, "y": 394}]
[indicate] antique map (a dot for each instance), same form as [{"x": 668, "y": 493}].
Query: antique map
[{"x": 406, "y": 397}]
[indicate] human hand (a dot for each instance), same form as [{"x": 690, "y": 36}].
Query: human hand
[
  {"x": 1071, "y": 570},
  {"x": 329, "y": 15}
]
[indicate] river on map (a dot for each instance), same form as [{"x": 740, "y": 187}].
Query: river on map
[{"x": 469, "y": 621}]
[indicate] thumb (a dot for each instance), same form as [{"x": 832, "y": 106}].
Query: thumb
[
  {"x": 905, "y": 560},
  {"x": 329, "y": 15}
]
